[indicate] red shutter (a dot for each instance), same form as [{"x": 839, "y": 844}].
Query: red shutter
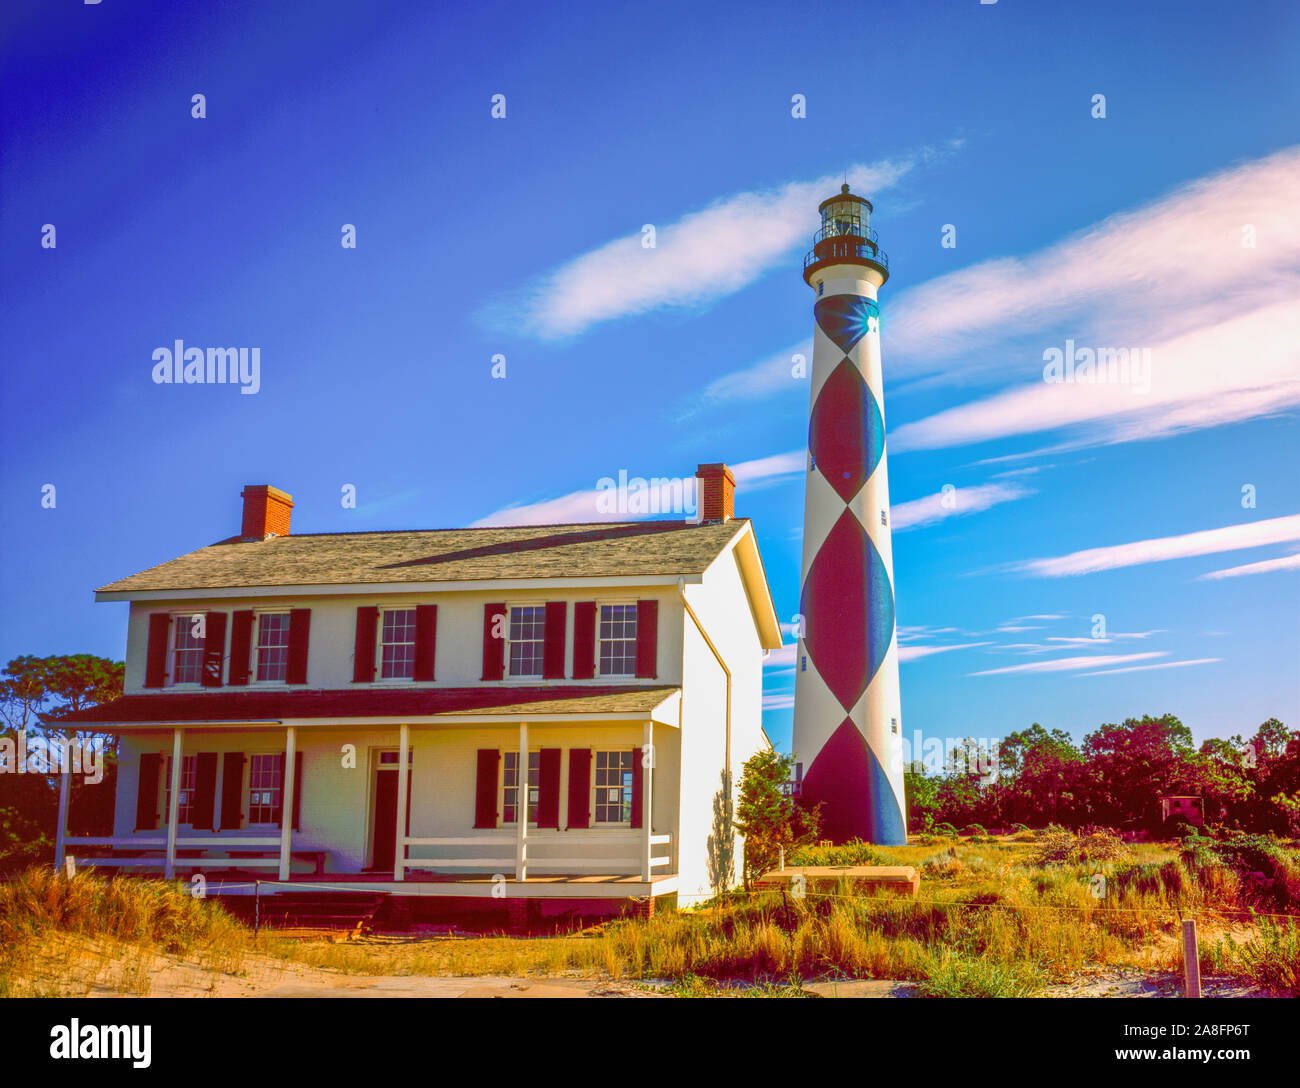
[
  {"x": 241, "y": 644},
  {"x": 426, "y": 639},
  {"x": 485, "y": 788},
  {"x": 363, "y": 662},
  {"x": 579, "y": 786},
  {"x": 279, "y": 806},
  {"x": 232, "y": 790},
  {"x": 638, "y": 785},
  {"x": 647, "y": 639},
  {"x": 214, "y": 649},
  {"x": 494, "y": 649},
  {"x": 548, "y": 788},
  {"x": 205, "y": 791},
  {"x": 297, "y": 789},
  {"x": 146, "y": 791},
  {"x": 155, "y": 662},
  {"x": 299, "y": 637},
  {"x": 584, "y": 640},
  {"x": 553, "y": 646}
]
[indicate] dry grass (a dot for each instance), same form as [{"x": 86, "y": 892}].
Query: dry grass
[
  {"x": 64, "y": 936},
  {"x": 993, "y": 919}
]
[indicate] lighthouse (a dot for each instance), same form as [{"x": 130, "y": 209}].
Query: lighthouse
[{"x": 847, "y": 718}]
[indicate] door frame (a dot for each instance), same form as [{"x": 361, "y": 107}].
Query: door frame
[{"x": 378, "y": 767}]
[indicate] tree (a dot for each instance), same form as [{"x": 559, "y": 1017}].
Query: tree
[
  {"x": 1132, "y": 765},
  {"x": 921, "y": 794},
  {"x": 767, "y": 814},
  {"x": 34, "y": 693}
]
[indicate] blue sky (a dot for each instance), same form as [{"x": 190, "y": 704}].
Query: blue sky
[{"x": 1168, "y": 225}]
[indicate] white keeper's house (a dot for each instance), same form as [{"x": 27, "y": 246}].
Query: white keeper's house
[{"x": 566, "y": 701}]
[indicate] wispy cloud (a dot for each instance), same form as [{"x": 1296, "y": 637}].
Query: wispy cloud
[
  {"x": 958, "y": 501},
  {"x": 765, "y": 378},
  {"x": 1190, "y": 388},
  {"x": 1157, "y": 261},
  {"x": 1207, "y": 542},
  {"x": 699, "y": 258},
  {"x": 1160, "y": 277},
  {"x": 913, "y": 652},
  {"x": 1265, "y": 566},
  {"x": 779, "y": 701},
  {"x": 1070, "y": 664},
  {"x": 1162, "y": 665},
  {"x": 581, "y": 507},
  {"x": 782, "y": 657}
]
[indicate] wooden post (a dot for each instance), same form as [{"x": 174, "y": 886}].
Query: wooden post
[
  {"x": 1191, "y": 960},
  {"x": 403, "y": 743},
  {"x": 521, "y": 808},
  {"x": 61, "y": 841},
  {"x": 173, "y": 806},
  {"x": 647, "y": 783},
  {"x": 286, "y": 801}
]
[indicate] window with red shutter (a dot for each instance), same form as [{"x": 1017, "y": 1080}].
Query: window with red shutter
[
  {"x": 647, "y": 639},
  {"x": 584, "y": 640},
  {"x": 485, "y": 788},
  {"x": 579, "y": 787},
  {"x": 494, "y": 642},
  {"x": 299, "y": 637},
  {"x": 214, "y": 649},
  {"x": 363, "y": 662},
  {"x": 155, "y": 668},
  {"x": 426, "y": 638},
  {"x": 553, "y": 652},
  {"x": 241, "y": 640}
]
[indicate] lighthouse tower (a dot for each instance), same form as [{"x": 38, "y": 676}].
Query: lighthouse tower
[{"x": 847, "y": 721}]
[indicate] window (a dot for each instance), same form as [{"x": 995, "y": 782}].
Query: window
[
  {"x": 510, "y": 786},
  {"x": 397, "y": 644},
  {"x": 187, "y": 656},
  {"x": 185, "y": 809},
  {"x": 263, "y": 788},
  {"x": 613, "y": 786},
  {"x": 527, "y": 638},
  {"x": 618, "y": 640},
  {"x": 272, "y": 646}
]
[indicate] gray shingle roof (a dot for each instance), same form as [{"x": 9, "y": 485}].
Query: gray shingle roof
[{"x": 623, "y": 549}]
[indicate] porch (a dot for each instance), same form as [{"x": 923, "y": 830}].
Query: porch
[{"x": 414, "y": 834}]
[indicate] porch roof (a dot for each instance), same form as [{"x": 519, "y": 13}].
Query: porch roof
[{"x": 595, "y": 701}]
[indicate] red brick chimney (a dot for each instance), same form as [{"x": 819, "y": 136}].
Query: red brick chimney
[
  {"x": 717, "y": 493},
  {"x": 266, "y": 511}
]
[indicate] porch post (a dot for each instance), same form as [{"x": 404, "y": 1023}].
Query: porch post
[
  {"x": 173, "y": 805},
  {"x": 647, "y": 784},
  {"x": 521, "y": 809},
  {"x": 286, "y": 800},
  {"x": 399, "y": 853},
  {"x": 61, "y": 841}
]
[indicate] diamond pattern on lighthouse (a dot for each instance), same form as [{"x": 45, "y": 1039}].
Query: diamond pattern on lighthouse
[
  {"x": 846, "y": 434},
  {"x": 844, "y": 318},
  {"x": 847, "y": 584}
]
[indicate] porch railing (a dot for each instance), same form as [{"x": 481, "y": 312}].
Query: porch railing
[
  {"x": 503, "y": 851},
  {"x": 183, "y": 842}
]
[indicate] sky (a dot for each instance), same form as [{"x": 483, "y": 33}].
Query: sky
[{"x": 503, "y": 335}]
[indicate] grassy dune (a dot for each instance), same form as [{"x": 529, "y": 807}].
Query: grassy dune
[{"x": 994, "y": 918}]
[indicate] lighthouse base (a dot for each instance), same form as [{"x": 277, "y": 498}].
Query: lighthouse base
[{"x": 859, "y": 799}]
